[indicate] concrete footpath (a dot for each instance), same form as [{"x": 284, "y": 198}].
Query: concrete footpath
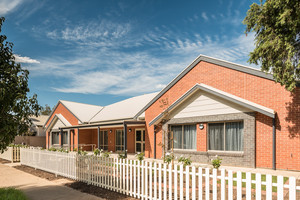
[{"x": 37, "y": 188}]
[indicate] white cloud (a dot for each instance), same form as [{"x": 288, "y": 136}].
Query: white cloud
[
  {"x": 103, "y": 33},
  {"x": 132, "y": 73},
  {"x": 204, "y": 16},
  {"x": 24, "y": 59},
  {"x": 100, "y": 62},
  {"x": 7, "y": 6}
]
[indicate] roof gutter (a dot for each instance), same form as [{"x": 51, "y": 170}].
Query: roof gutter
[{"x": 106, "y": 124}]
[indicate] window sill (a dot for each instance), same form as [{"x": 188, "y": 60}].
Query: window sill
[
  {"x": 225, "y": 153},
  {"x": 209, "y": 153}
]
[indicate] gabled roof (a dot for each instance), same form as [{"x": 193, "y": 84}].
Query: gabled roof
[
  {"x": 126, "y": 109},
  {"x": 40, "y": 120},
  {"x": 222, "y": 63},
  {"x": 224, "y": 95},
  {"x": 83, "y": 112},
  {"x": 61, "y": 118}
]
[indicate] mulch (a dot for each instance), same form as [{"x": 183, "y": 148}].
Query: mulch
[
  {"x": 2, "y": 161},
  {"x": 97, "y": 191},
  {"x": 38, "y": 173}
]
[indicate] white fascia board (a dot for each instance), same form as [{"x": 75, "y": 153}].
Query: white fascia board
[{"x": 224, "y": 95}]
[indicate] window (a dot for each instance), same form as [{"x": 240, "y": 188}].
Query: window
[
  {"x": 103, "y": 140},
  {"x": 184, "y": 136},
  {"x": 65, "y": 138},
  {"x": 119, "y": 140},
  {"x": 55, "y": 137},
  {"x": 227, "y": 136}
]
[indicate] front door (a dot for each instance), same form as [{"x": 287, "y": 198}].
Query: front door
[{"x": 139, "y": 140}]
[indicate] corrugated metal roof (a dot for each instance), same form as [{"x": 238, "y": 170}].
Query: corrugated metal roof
[
  {"x": 40, "y": 120},
  {"x": 83, "y": 112},
  {"x": 125, "y": 109}
]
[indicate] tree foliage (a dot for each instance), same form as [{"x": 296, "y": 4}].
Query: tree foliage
[
  {"x": 15, "y": 107},
  {"x": 46, "y": 110},
  {"x": 277, "y": 40}
]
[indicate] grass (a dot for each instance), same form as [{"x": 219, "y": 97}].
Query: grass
[
  {"x": 253, "y": 186},
  {"x": 12, "y": 194}
]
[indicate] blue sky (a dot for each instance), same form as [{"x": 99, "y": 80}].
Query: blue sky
[{"x": 101, "y": 52}]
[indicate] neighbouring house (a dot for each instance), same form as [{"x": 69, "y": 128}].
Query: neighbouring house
[
  {"x": 37, "y": 127},
  {"x": 213, "y": 107},
  {"x": 36, "y": 134}
]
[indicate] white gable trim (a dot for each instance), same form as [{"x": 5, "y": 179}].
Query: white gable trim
[
  {"x": 219, "y": 62},
  {"x": 224, "y": 95},
  {"x": 58, "y": 117},
  {"x": 59, "y": 102}
]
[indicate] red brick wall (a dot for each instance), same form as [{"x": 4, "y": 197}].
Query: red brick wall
[
  {"x": 61, "y": 109},
  {"x": 256, "y": 89},
  {"x": 201, "y": 138}
]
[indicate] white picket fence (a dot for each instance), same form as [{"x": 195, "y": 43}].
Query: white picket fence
[
  {"x": 12, "y": 154},
  {"x": 59, "y": 163},
  {"x": 151, "y": 180}
]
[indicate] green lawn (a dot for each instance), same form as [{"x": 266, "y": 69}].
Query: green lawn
[
  {"x": 12, "y": 194},
  {"x": 263, "y": 179}
]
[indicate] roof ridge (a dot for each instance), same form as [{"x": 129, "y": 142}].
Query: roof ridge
[{"x": 80, "y": 103}]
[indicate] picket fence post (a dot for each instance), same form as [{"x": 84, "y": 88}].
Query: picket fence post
[{"x": 173, "y": 181}]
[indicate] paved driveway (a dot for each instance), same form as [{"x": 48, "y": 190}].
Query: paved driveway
[{"x": 37, "y": 188}]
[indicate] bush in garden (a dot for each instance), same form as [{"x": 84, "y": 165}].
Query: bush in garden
[
  {"x": 52, "y": 149},
  {"x": 185, "y": 161},
  {"x": 97, "y": 152},
  {"x": 140, "y": 156},
  {"x": 63, "y": 150},
  {"x": 81, "y": 152},
  {"x": 105, "y": 154},
  {"x": 216, "y": 162},
  {"x": 168, "y": 158},
  {"x": 122, "y": 156}
]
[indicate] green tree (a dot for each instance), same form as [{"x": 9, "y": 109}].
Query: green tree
[
  {"x": 46, "y": 110},
  {"x": 277, "y": 40},
  {"x": 15, "y": 107}
]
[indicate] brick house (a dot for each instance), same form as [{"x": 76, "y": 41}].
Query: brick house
[
  {"x": 113, "y": 127},
  {"x": 213, "y": 107}
]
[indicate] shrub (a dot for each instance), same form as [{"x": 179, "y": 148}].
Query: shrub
[
  {"x": 82, "y": 152},
  {"x": 216, "y": 162},
  {"x": 185, "y": 161},
  {"x": 168, "y": 158},
  {"x": 63, "y": 150},
  {"x": 105, "y": 154},
  {"x": 122, "y": 156},
  {"x": 140, "y": 156},
  {"x": 97, "y": 152},
  {"x": 52, "y": 149}
]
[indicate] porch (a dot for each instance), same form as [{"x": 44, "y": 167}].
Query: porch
[{"x": 118, "y": 137}]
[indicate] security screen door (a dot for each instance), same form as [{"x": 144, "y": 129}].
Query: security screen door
[{"x": 139, "y": 140}]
